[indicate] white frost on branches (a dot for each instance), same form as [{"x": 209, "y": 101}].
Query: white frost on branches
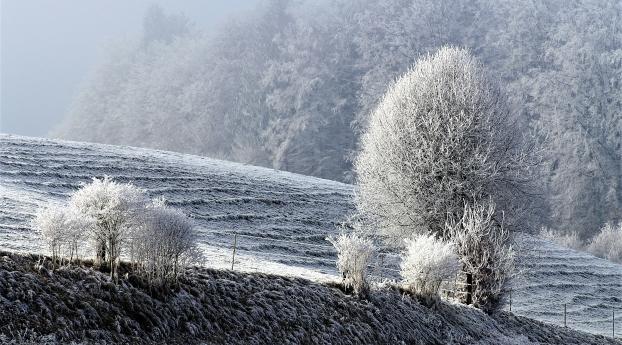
[
  {"x": 483, "y": 246},
  {"x": 62, "y": 230},
  {"x": 569, "y": 239},
  {"x": 608, "y": 243},
  {"x": 114, "y": 208},
  {"x": 428, "y": 262},
  {"x": 440, "y": 137},
  {"x": 354, "y": 254},
  {"x": 164, "y": 244},
  {"x": 119, "y": 219}
]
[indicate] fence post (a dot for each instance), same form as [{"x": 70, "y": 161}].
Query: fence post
[
  {"x": 613, "y": 324},
  {"x": 235, "y": 243},
  {"x": 565, "y": 315}
]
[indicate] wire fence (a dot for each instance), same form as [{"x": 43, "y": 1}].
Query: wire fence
[{"x": 384, "y": 267}]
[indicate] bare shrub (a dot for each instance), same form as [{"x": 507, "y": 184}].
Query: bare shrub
[
  {"x": 426, "y": 263},
  {"x": 50, "y": 223},
  {"x": 354, "y": 253},
  {"x": 608, "y": 243},
  {"x": 569, "y": 240},
  {"x": 164, "y": 244},
  {"x": 485, "y": 253}
]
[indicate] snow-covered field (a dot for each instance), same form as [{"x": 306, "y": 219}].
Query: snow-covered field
[{"x": 281, "y": 219}]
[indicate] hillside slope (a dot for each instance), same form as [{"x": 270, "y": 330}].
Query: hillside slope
[
  {"x": 225, "y": 307},
  {"x": 281, "y": 220}
]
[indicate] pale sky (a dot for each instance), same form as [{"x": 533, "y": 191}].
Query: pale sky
[{"x": 48, "y": 48}]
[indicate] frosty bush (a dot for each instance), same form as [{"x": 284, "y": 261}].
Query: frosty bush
[
  {"x": 50, "y": 222},
  {"x": 113, "y": 207},
  {"x": 354, "y": 253},
  {"x": 428, "y": 262},
  {"x": 608, "y": 243},
  {"x": 569, "y": 240},
  {"x": 161, "y": 241},
  {"x": 164, "y": 244},
  {"x": 62, "y": 230},
  {"x": 440, "y": 137},
  {"x": 487, "y": 257}
]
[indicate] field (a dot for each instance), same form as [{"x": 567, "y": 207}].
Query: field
[{"x": 281, "y": 221}]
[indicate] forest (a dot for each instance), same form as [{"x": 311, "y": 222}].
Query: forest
[{"x": 291, "y": 86}]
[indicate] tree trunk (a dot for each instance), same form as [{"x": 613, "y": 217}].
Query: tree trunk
[{"x": 469, "y": 288}]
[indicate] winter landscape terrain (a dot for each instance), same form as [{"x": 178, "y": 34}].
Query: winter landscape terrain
[{"x": 281, "y": 221}]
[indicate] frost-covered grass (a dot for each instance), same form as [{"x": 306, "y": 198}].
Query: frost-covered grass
[
  {"x": 224, "y": 307},
  {"x": 224, "y": 197}
]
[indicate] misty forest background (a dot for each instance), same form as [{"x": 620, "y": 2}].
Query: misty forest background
[{"x": 290, "y": 85}]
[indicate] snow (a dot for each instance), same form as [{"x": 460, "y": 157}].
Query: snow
[{"x": 285, "y": 216}]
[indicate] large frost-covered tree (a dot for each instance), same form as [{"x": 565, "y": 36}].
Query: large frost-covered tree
[{"x": 441, "y": 137}]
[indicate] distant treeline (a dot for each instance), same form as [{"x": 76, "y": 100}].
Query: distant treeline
[{"x": 290, "y": 85}]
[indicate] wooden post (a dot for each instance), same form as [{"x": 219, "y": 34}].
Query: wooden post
[
  {"x": 613, "y": 324},
  {"x": 469, "y": 292},
  {"x": 235, "y": 243},
  {"x": 565, "y": 315}
]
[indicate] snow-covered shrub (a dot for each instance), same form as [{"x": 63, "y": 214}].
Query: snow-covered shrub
[
  {"x": 428, "y": 262},
  {"x": 62, "y": 230},
  {"x": 441, "y": 137},
  {"x": 487, "y": 257},
  {"x": 569, "y": 240},
  {"x": 114, "y": 208},
  {"x": 50, "y": 223},
  {"x": 164, "y": 244},
  {"x": 608, "y": 243},
  {"x": 354, "y": 253},
  {"x": 77, "y": 230}
]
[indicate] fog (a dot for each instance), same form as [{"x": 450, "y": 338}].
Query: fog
[
  {"x": 49, "y": 46},
  {"x": 290, "y": 84}
]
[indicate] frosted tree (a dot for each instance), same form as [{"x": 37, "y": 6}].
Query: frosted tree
[
  {"x": 607, "y": 244},
  {"x": 77, "y": 227},
  {"x": 427, "y": 263},
  {"x": 354, "y": 253},
  {"x": 485, "y": 252},
  {"x": 163, "y": 244},
  {"x": 441, "y": 137},
  {"x": 62, "y": 230},
  {"x": 50, "y": 223},
  {"x": 158, "y": 26},
  {"x": 114, "y": 208},
  {"x": 579, "y": 113}
]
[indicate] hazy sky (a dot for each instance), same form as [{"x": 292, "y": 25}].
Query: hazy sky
[{"x": 49, "y": 46}]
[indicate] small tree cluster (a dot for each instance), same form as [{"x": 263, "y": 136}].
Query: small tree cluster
[
  {"x": 119, "y": 218},
  {"x": 485, "y": 252},
  {"x": 62, "y": 230},
  {"x": 428, "y": 262},
  {"x": 354, "y": 253},
  {"x": 608, "y": 243},
  {"x": 114, "y": 208}
]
